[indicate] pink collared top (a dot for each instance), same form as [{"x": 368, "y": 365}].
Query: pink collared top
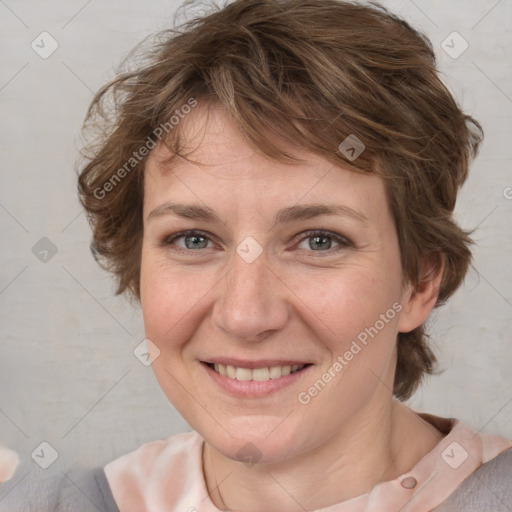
[{"x": 167, "y": 475}]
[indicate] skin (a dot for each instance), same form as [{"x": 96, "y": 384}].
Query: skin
[{"x": 292, "y": 302}]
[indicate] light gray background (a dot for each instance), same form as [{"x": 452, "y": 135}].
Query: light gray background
[{"x": 67, "y": 372}]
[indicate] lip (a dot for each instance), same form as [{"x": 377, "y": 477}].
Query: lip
[
  {"x": 253, "y": 388},
  {"x": 251, "y": 364}
]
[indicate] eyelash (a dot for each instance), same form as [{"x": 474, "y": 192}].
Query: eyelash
[{"x": 343, "y": 242}]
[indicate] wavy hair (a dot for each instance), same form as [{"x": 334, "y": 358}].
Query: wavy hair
[{"x": 309, "y": 73}]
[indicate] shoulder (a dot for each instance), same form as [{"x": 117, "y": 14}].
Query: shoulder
[
  {"x": 144, "y": 458},
  {"x": 93, "y": 489},
  {"x": 488, "y": 488},
  {"x": 83, "y": 489},
  {"x": 164, "y": 471}
]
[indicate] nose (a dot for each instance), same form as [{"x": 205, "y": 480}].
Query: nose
[{"x": 251, "y": 304}]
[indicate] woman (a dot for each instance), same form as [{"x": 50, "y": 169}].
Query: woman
[{"x": 276, "y": 187}]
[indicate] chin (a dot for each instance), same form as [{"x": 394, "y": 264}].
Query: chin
[{"x": 253, "y": 440}]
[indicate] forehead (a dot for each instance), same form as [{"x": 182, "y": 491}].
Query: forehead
[{"x": 223, "y": 166}]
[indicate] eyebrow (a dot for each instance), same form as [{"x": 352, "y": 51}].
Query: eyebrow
[
  {"x": 187, "y": 211},
  {"x": 309, "y": 211},
  {"x": 286, "y": 215}
]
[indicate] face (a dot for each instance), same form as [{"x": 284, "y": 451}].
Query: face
[{"x": 253, "y": 268}]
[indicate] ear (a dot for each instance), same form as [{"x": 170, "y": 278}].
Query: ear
[{"x": 418, "y": 301}]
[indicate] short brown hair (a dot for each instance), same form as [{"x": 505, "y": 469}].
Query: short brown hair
[{"x": 310, "y": 73}]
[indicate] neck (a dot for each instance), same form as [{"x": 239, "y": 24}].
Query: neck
[{"x": 378, "y": 444}]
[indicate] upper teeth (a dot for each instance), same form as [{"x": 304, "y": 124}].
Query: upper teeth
[{"x": 260, "y": 374}]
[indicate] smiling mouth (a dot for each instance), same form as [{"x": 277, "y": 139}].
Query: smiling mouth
[{"x": 256, "y": 374}]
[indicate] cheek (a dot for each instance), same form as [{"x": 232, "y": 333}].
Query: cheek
[
  {"x": 357, "y": 322},
  {"x": 355, "y": 314},
  {"x": 342, "y": 303},
  {"x": 171, "y": 299}
]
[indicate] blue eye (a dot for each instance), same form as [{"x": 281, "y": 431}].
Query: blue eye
[
  {"x": 321, "y": 241},
  {"x": 192, "y": 240}
]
